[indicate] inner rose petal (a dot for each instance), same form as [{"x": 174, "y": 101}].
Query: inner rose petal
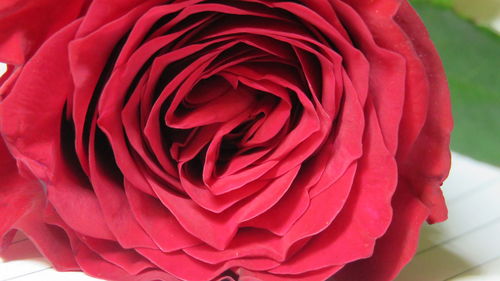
[
  {"x": 110, "y": 102},
  {"x": 290, "y": 80},
  {"x": 88, "y": 83},
  {"x": 330, "y": 247},
  {"x": 317, "y": 217}
]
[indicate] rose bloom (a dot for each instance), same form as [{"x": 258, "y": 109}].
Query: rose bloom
[{"x": 221, "y": 140}]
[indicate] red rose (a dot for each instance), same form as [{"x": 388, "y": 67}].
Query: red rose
[{"x": 196, "y": 140}]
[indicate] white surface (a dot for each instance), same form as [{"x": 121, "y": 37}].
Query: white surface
[
  {"x": 464, "y": 248},
  {"x": 3, "y": 68}
]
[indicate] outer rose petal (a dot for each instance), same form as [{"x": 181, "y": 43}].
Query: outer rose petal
[
  {"x": 30, "y": 124},
  {"x": 102, "y": 259},
  {"x": 22, "y": 201},
  {"x": 102, "y": 12},
  {"x": 30, "y": 114},
  {"x": 423, "y": 165},
  {"x": 16, "y": 193},
  {"x": 322, "y": 274},
  {"x": 423, "y": 150},
  {"x": 397, "y": 247},
  {"x": 26, "y": 24},
  {"x": 429, "y": 161}
]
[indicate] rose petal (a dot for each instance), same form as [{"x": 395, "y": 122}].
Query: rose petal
[
  {"x": 20, "y": 41},
  {"x": 128, "y": 260},
  {"x": 88, "y": 83},
  {"x": 30, "y": 118},
  {"x": 22, "y": 200},
  {"x": 396, "y": 248},
  {"x": 181, "y": 265},
  {"x": 323, "y": 274},
  {"x": 388, "y": 92},
  {"x": 158, "y": 222},
  {"x": 430, "y": 151},
  {"x": 109, "y": 191},
  {"x": 364, "y": 218},
  {"x": 389, "y": 35},
  {"x": 44, "y": 128},
  {"x": 102, "y": 12},
  {"x": 263, "y": 244}
]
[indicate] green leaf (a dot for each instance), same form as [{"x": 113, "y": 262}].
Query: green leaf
[
  {"x": 471, "y": 56},
  {"x": 442, "y": 3}
]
